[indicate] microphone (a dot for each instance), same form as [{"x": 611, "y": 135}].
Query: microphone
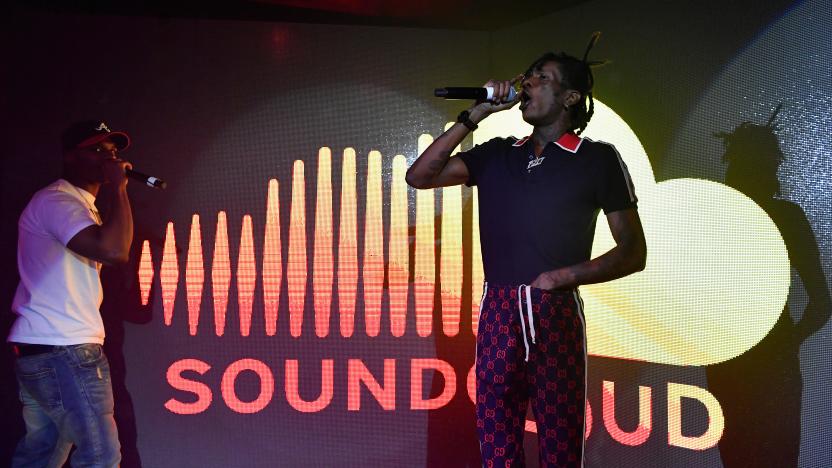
[
  {"x": 480, "y": 94},
  {"x": 151, "y": 181}
]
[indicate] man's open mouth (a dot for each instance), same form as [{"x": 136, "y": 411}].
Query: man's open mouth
[{"x": 524, "y": 100}]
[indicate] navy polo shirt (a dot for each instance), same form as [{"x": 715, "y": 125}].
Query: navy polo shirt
[{"x": 538, "y": 213}]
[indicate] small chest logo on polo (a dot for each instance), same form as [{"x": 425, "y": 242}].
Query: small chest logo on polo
[{"x": 535, "y": 162}]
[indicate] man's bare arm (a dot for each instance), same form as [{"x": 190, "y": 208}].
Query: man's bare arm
[
  {"x": 627, "y": 257},
  {"x": 110, "y": 242},
  {"x": 435, "y": 167}
]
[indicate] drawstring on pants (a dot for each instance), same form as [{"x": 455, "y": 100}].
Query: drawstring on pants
[{"x": 528, "y": 298}]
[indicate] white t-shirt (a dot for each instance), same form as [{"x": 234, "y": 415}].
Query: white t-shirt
[{"x": 59, "y": 293}]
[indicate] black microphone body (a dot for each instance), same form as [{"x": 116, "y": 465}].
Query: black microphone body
[
  {"x": 478, "y": 94},
  {"x": 150, "y": 181}
]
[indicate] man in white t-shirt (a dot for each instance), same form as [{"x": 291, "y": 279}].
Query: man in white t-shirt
[{"x": 63, "y": 375}]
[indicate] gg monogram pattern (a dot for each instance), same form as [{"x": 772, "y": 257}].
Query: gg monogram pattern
[{"x": 552, "y": 380}]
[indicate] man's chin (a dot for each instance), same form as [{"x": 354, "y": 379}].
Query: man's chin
[{"x": 531, "y": 119}]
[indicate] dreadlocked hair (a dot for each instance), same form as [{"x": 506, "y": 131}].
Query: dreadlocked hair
[{"x": 577, "y": 75}]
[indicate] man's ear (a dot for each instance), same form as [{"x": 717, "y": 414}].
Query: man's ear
[{"x": 572, "y": 97}]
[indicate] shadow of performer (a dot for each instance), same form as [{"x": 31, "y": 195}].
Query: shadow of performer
[
  {"x": 760, "y": 390},
  {"x": 452, "y": 429},
  {"x": 122, "y": 303}
]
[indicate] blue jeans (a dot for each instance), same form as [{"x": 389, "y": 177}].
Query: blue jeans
[{"x": 67, "y": 399}]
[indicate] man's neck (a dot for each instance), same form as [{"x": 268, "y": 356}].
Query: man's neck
[{"x": 543, "y": 134}]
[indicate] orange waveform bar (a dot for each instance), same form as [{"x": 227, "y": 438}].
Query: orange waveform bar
[
  {"x": 450, "y": 256},
  {"x": 272, "y": 259},
  {"x": 322, "y": 263},
  {"x": 220, "y": 273},
  {"x": 347, "y": 246},
  {"x": 145, "y": 272},
  {"x": 169, "y": 276},
  {"x": 425, "y": 257},
  {"x": 450, "y": 259},
  {"x": 296, "y": 263},
  {"x": 373, "y": 271},
  {"x": 194, "y": 275},
  {"x": 398, "y": 257},
  {"x": 246, "y": 276},
  {"x": 477, "y": 274}
]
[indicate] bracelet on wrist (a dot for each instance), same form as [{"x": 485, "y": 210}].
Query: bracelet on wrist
[{"x": 464, "y": 118}]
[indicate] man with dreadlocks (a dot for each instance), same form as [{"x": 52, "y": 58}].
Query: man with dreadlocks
[{"x": 539, "y": 198}]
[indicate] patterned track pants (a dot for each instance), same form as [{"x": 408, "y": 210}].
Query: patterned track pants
[{"x": 542, "y": 362}]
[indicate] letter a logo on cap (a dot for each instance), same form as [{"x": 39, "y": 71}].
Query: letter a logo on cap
[{"x": 103, "y": 126}]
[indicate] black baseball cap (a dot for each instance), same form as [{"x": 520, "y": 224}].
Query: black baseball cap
[{"x": 90, "y": 132}]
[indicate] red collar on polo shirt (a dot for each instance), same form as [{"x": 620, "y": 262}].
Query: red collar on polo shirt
[{"x": 568, "y": 141}]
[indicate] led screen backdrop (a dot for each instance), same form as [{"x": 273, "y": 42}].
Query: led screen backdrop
[{"x": 291, "y": 302}]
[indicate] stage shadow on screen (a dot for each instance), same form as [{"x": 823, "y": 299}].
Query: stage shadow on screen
[
  {"x": 760, "y": 391},
  {"x": 122, "y": 304},
  {"x": 452, "y": 437}
]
